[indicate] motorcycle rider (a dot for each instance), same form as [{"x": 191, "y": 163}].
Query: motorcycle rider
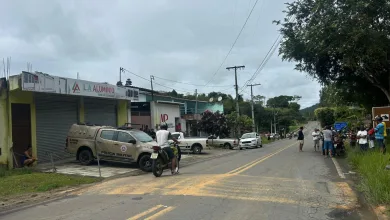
[{"x": 163, "y": 136}]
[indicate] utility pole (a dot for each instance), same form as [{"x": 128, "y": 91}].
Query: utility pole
[
  {"x": 151, "y": 85},
  {"x": 196, "y": 102},
  {"x": 237, "y": 106},
  {"x": 253, "y": 108}
]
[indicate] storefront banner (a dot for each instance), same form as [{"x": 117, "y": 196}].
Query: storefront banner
[
  {"x": 40, "y": 82},
  {"x": 87, "y": 88}
]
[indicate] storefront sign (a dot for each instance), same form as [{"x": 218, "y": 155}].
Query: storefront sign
[
  {"x": 41, "y": 82},
  {"x": 384, "y": 112},
  {"x": 104, "y": 90}
]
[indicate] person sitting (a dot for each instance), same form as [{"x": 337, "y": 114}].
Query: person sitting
[{"x": 28, "y": 159}]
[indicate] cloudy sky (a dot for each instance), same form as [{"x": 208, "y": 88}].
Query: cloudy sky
[{"x": 184, "y": 41}]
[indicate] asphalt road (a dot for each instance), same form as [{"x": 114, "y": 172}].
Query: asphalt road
[{"x": 274, "y": 182}]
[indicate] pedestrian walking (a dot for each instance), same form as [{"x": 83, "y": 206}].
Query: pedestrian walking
[
  {"x": 301, "y": 138},
  {"x": 316, "y": 139},
  {"x": 328, "y": 141},
  {"x": 362, "y": 139}
]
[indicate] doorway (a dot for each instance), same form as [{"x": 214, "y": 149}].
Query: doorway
[{"x": 21, "y": 130}]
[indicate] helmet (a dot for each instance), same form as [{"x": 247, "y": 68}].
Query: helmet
[
  {"x": 378, "y": 118},
  {"x": 164, "y": 126}
]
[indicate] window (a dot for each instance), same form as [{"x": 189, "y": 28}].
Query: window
[
  {"x": 124, "y": 137},
  {"x": 108, "y": 135},
  {"x": 142, "y": 136}
]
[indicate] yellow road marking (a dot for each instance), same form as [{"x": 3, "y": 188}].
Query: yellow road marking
[
  {"x": 160, "y": 213},
  {"x": 255, "y": 162},
  {"x": 142, "y": 214}
]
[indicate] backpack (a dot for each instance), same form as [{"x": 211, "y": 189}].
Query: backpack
[{"x": 371, "y": 131}]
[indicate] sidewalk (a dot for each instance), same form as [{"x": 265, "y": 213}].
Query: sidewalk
[{"x": 113, "y": 169}]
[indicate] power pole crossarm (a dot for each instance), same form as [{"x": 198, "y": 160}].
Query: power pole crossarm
[
  {"x": 253, "y": 108},
  {"x": 237, "y": 106}
]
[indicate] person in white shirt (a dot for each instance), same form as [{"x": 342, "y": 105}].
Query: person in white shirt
[
  {"x": 362, "y": 139},
  {"x": 163, "y": 136},
  {"x": 316, "y": 138}
]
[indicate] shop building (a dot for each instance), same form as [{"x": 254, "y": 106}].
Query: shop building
[
  {"x": 38, "y": 109},
  {"x": 190, "y": 111}
]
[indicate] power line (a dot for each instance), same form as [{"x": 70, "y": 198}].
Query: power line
[
  {"x": 180, "y": 90},
  {"x": 188, "y": 83},
  {"x": 234, "y": 43},
  {"x": 269, "y": 54}
]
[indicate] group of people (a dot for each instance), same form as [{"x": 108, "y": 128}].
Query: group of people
[{"x": 365, "y": 137}]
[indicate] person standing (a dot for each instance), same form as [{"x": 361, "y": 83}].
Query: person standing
[
  {"x": 301, "y": 138},
  {"x": 316, "y": 138},
  {"x": 328, "y": 141},
  {"x": 371, "y": 137},
  {"x": 362, "y": 139},
  {"x": 379, "y": 134}
]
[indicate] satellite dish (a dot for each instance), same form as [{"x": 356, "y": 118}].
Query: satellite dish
[
  {"x": 211, "y": 99},
  {"x": 219, "y": 98}
]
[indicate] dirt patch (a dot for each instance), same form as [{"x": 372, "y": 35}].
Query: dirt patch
[{"x": 381, "y": 212}]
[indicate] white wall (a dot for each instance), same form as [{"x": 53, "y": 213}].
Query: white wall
[{"x": 159, "y": 110}]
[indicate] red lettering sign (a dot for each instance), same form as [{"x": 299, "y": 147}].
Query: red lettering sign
[{"x": 164, "y": 117}]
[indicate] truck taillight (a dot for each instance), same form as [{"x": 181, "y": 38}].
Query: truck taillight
[{"x": 234, "y": 142}]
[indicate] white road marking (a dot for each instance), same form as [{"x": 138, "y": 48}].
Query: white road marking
[{"x": 338, "y": 168}]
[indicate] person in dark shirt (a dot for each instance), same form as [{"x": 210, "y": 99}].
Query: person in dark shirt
[{"x": 301, "y": 138}]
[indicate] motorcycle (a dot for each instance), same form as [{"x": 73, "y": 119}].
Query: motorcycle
[
  {"x": 339, "y": 148},
  {"x": 161, "y": 161}
]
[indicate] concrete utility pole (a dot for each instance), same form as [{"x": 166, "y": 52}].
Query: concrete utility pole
[
  {"x": 237, "y": 106},
  {"x": 253, "y": 108},
  {"x": 151, "y": 85},
  {"x": 196, "y": 102}
]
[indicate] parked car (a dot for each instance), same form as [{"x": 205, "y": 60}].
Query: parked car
[
  {"x": 250, "y": 140},
  {"x": 124, "y": 144},
  {"x": 227, "y": 143},
  {"x": 196, "y": 145}
]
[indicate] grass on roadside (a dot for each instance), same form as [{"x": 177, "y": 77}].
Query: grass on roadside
[
  {"x": 21, "y": 181},
  {"x": 264, "y": 140},
  {"x": 375, "y": 179}
]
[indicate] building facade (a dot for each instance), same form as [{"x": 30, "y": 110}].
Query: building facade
[{"x": 38, "y": 109}]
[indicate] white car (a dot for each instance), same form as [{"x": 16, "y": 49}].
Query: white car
[
  {"x": 196, "y": 145},
  {"x": 250, "y": 140}
]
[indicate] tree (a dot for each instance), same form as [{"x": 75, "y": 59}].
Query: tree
[
  {"x": 325, "y": 116},
  {"x": 244, "y": 121},
  {"x": 281, "y": 101},
  {"x": 214, "y": 124},
  {"x": 345, "y": 43}
]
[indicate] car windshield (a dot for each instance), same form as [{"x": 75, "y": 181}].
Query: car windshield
[
  {"x": 142, "y": 136},
  {"x": 248, "y": 135}
]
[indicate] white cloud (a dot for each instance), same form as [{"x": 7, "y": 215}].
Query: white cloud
[{"x": 182, "y": 40}]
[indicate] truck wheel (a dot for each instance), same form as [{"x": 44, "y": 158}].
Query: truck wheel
[
  {"x": 145, "y": 163},
  {"x": 85, "y": 157},
  {"x": 227, "y": 146},
  {"x": 196, "y": 149}
]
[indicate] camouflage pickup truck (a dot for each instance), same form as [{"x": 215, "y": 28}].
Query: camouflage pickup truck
[{"x": 127, "y": 145}]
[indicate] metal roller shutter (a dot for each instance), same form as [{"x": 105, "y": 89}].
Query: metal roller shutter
[
  {"x": 100, "y": 111},
  {"x": 54, "y": 116}
]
